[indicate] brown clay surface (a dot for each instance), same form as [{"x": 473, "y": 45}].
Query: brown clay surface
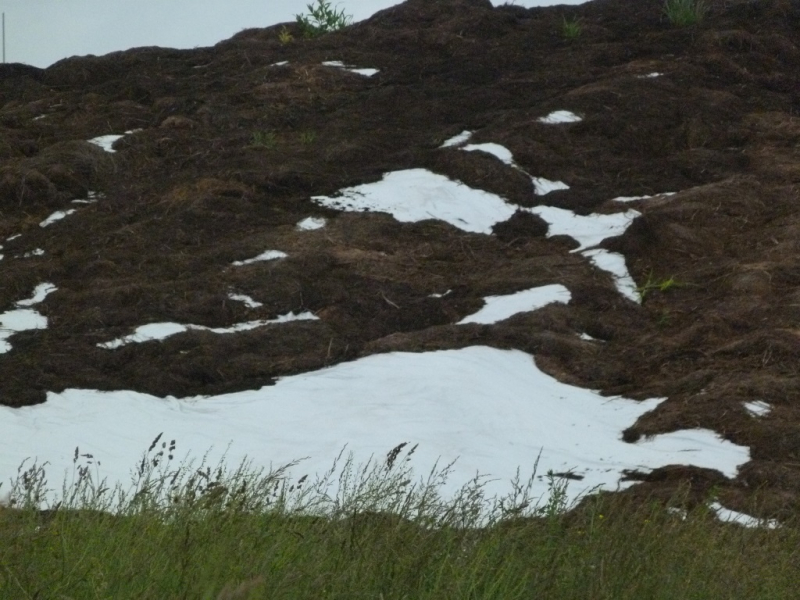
[{"x": 191, "y": 192}]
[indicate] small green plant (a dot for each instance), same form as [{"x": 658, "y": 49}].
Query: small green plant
[
  {"x": 571, "y": 29},
  {"x": 685, "y": 12},
  {"x": 285, "y": 36},
  {"x": 264, "y": 139},
  {"x": 322, "y": 19},
  {"x": 654, "y": 285},
  {"x": 308, "y": 137}
]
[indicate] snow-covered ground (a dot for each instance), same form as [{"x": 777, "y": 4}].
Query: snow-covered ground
[{"x": 493, "y": 411}]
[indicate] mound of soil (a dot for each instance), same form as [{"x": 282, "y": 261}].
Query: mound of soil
[{"x": 229, "y": 143}]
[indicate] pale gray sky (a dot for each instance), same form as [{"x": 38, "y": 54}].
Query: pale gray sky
[{"x": 40, "y": 32}]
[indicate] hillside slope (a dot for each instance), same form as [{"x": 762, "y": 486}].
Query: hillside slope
[{"x": 229, "y": 144}]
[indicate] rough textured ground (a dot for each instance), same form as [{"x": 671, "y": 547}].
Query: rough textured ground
[{"x": 194, "y": 190}]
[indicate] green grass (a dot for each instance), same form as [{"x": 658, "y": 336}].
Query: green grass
[
  {"x": 308, "y": 137},
  {"x": 264, "y": 139},
  {"x": 571, "y": 29},
  {"x": 187, "y": 532},
  {"x": 656, "y": 285},
  {"x": 685, "y": 12}
]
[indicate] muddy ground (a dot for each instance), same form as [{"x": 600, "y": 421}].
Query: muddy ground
[{"x": 231, "y": 148}]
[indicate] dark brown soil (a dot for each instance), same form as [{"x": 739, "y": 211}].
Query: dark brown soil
[{"x": 191, "y": 192}]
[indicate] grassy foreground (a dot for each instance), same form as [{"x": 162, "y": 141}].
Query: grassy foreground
[{"x": 371, "y": 532}]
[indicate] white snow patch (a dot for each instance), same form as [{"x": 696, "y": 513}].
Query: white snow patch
[
  {"x": 440, "y": 295},
  {"x": 727, "y": 515},
  {"x": 758, "y": 408},
  {"x": 365, "y": 72},
  {"x": 496, "y": 150},
  {"x": 311, "y": 223},
  {"x": 418, "y": 194},
  {"x": 13, "y": 237},
  {"x": 268, "y": 255},
  {"x": 340, "y": 65},
  {"x": 587, "y": 338},
  {"x": 91, "y": 198},
  {"x": 457, "y": 140},
  {"x": 106, "y": 141},
  {"x": 542, "y": 186},
  {"x": 39, "y": 117},
  {"x": 39, "y": 293},
  {"x": 614, "y": 263},
  {"x": 161, "y": 331},
  {"x": 633, "y": 198},
  {"x": 681, "y": 513},
  {"x": 588, "y": 231},
  {"x": 56, "y": 216},
  {"x": 499, "y": 308},
  {"x": 560, "y": 116},
  {"x": 248, "y": 301},
  {"x": 35, "y": 252},
  {"x": 14, "y": 321},
  {"x": 280, "y": 63},
  {"x": 649, "y": 75},
  {"x": 493, "y": 410}
]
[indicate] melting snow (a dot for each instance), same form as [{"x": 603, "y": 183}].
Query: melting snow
[
  {"x": 758, "y": 408},
  {"x": 649, "y": 75},
  {"x": 588, "y": 231},
  {"x": 35, "y": 252},
  {"x": 457, "y": 140},
  {"x": 280, "y": 63},
  {"x": 161, "y": 331},
  {"x": 731, "y": 516},
  {"x": 56, "y": 216},
  {"x": 311, "y": 223},
  {"x": 14, "y": 321},
  {"x": 560, "y": 116},
  {"x": 24, "y": 319},
  {"x": 91, "y": 198},
  {"x": 499, "y": 308},
  {"x": 440, "y": 295},
  {"x": 496, "y": 150},
  {"x": 492, "y": 409},
  {"x": 248, "y": 301},
  {"x": 340, "y": 65},
  {"x": 632, "y": 198},
  {"x": 13, "y": 237},
  {"x": 614, "y": 263},
  {"x": 418, "y": 194},
  {"x": 105, "y": 141},
  {"x": 268, "y": 255},
  {"x": 39, "y": 293},
  {"x": 542, "y": 186}
]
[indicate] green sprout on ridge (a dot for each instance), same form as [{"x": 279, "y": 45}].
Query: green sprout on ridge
[
  {"x": 685, "y": 12},
  {"x": 322, "y": 19},
  {"x": 571, "y": 29}
]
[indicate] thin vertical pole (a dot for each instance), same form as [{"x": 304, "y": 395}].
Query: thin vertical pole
[{"x": 4, "y": 38}]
